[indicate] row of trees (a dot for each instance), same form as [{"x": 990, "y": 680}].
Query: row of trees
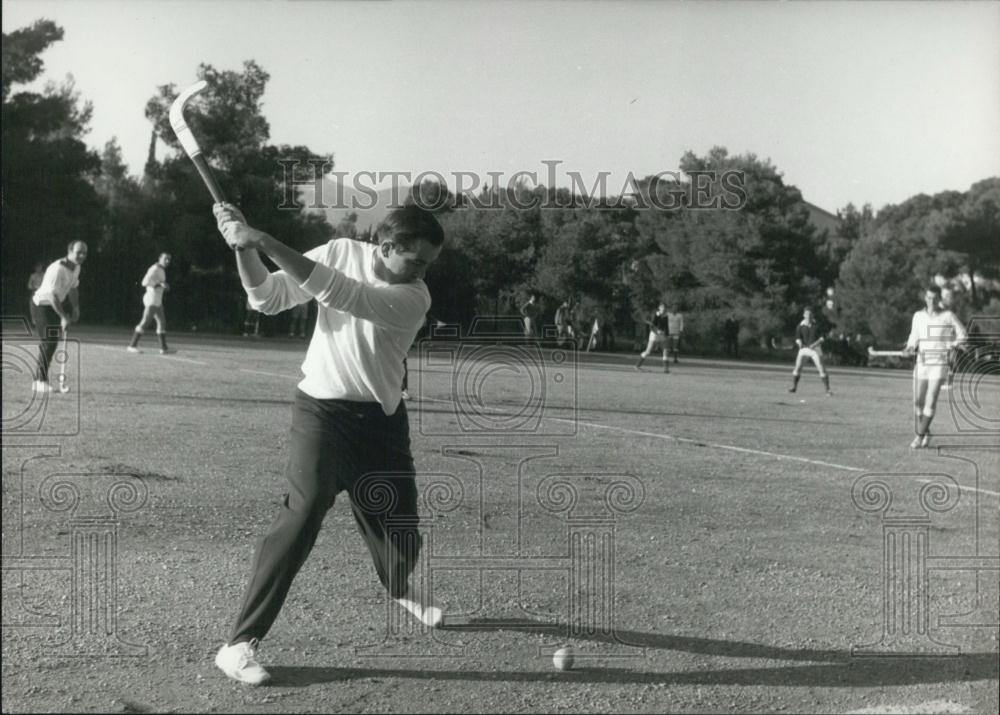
[
  {"x": 57, "y": 190},
  {"x": 760, "y": 265}
]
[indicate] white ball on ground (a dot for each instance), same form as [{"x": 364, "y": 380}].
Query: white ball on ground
[{"x": 562, "y": 659}]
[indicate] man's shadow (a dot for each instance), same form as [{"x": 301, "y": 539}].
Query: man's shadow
[{"x": 826, "y": 668}]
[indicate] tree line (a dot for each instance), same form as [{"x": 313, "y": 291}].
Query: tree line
[{"x": 758, "y": 265}]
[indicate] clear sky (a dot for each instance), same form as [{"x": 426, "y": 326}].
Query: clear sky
[{"x": 853, "y": 102}]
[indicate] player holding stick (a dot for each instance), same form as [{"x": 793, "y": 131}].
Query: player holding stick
[
  {"x": 934, "y": 331},
  {"x": 659, "y": 334},
  {"x": 810, "y": 342},
  {"x": 155, "y": 283},
  {"x": 349, "y": 426},
  {"x": 58, "y": 304}
]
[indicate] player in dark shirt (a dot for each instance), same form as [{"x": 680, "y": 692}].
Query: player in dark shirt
[
  {"x": 810, "y": 341},
  {"x": 659, "y": 332}
]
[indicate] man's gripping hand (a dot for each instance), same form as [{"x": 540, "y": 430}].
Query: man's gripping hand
[{"x": 233, "y": 227}]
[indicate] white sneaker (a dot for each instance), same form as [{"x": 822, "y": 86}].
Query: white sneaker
[
  {"x": 41, "y": 386},
  {"x": 133, "y": 350},
  {"x": 915, "y": 444},
  {"x": 428, "y": 615},
  {"x": 239, "y": 662},
  {"x": 167, "y": 351}
]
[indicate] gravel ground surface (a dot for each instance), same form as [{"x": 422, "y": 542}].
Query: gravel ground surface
[{"x": 732, "y": 571}]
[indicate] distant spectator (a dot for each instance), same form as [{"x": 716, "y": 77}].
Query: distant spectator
[
  {"x": 530, "y": 312},
  {"x": 731, "y": 337},
  {"x": 564, "y": 323},
  {"x": 676, "y": 322},
  {"x": 251, "y": 321}
]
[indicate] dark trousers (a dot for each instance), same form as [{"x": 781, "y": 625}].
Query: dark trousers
[
  {"x": 48, "y": 328},
  {"x": 337, "y": 445}
]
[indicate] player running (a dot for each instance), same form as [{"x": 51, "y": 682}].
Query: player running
[
  {"x": 934, "y": 331},
  {"x": 58, "y": 303},
  {"x": 350, "y": 430},
  {"x": 155, "y": 283},
  {"x": 659, "y": 337},
  {"x": 810, "y": 342}
]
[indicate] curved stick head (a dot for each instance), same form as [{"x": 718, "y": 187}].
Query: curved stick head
[{"x": 177, "y": 108}]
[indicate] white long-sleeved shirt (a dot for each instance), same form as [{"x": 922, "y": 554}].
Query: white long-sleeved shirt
[
  {"x": 932, "y": 336},
  {"x": 60, "y": 278},
  {"x": 364, "y": 327},
  {"x": 153, "y": 282}
]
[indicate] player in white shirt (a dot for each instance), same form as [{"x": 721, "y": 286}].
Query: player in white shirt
[
  {"x": 350, "y": 430},
  {"x": 58, "y": 304},
  {"x": 934, "y": 332},
  {"x": 155, "y": 283}
]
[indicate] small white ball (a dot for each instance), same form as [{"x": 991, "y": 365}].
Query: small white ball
[{"x": 562, "y": 659}]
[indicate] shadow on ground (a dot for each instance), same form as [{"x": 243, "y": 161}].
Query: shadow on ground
[{"x": 836, "y": 668}]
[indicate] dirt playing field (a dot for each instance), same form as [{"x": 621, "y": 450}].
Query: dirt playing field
[{"x": 704, "y": 540}]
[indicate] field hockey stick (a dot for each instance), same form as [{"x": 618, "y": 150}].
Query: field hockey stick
[
  {"x": 188, "y": 141},
  {"x": 63, "y": 359},
  {"x": 872, "y": 352},
  {"x": 652, "y": 326},
  {"x": 775, "y": 345}
]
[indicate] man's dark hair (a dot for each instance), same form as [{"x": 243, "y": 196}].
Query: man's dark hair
[{"x": 408, "y": 224}]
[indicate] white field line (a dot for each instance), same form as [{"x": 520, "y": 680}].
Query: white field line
[
  {"x": 269, "y": 374},
  {"x": 933, "y": 707},
  {"x": 163, "y": 357},
  {"x": 180, "y": 359},
  {"x": 639, "y": 433},
  {"x": 730, "y": 448},
  {"x": 968, "y": 489}
]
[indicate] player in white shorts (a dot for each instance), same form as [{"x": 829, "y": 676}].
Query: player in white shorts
[
  {"x": 155, "y": 283},
  {"x": 933, "y": 333},
  {"x": 810, "y": 342}
]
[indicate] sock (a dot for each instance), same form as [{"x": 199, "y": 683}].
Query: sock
[
  {"x": 795, "y": 382},
  {"x": 163, "y": 340},
  {"x": 923, "y": 424},
  {"x": 639, "y": 364},
  {"x": 826, "y": 382},
  {"x": 135, "y": 339}
]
